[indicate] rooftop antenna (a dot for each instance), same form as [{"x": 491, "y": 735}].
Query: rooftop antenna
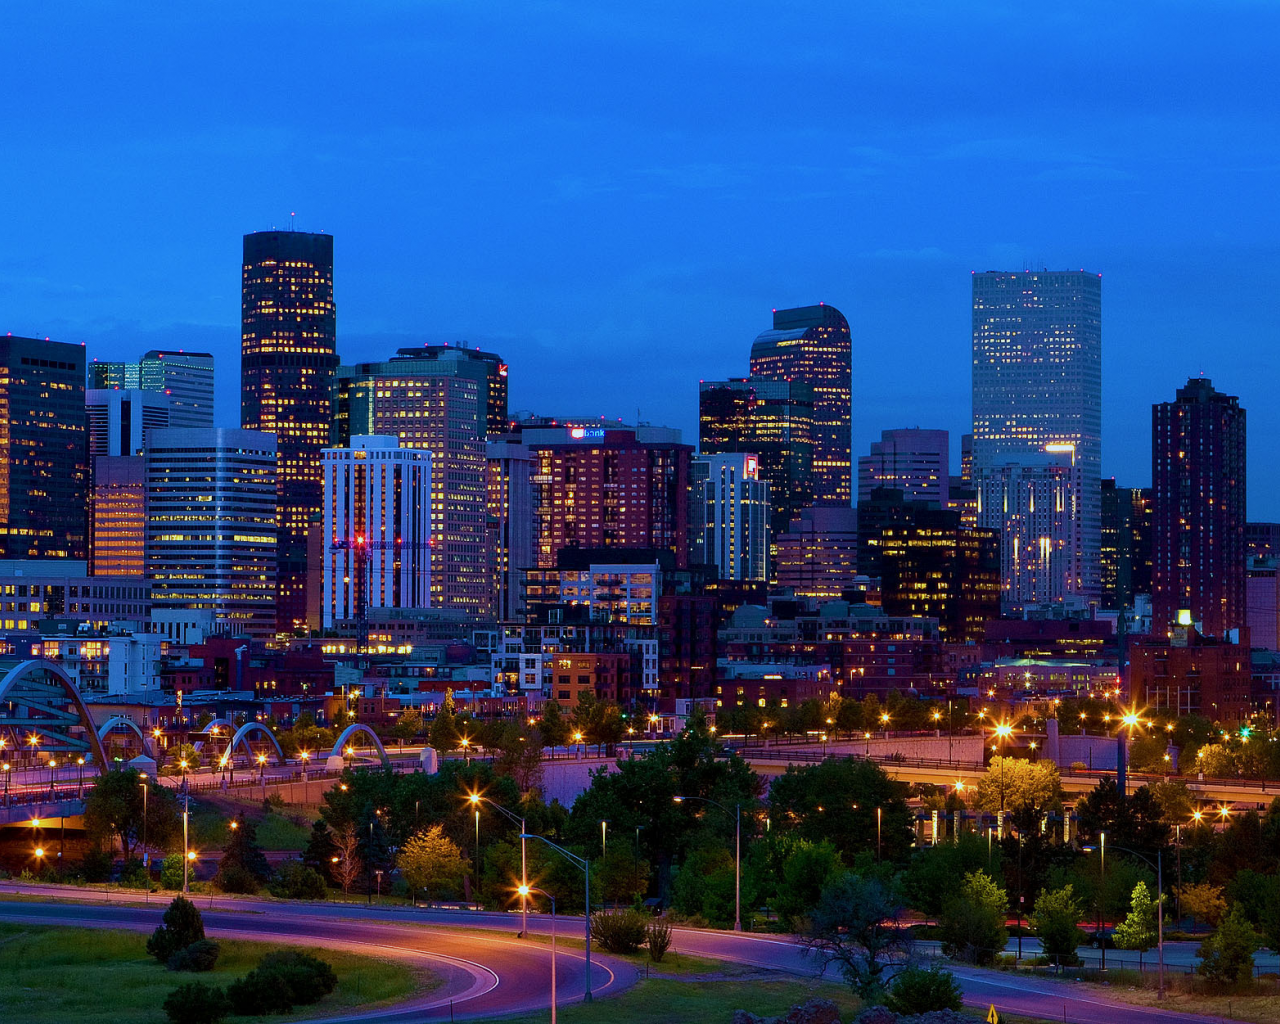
[{"x": 292, "y": 214}]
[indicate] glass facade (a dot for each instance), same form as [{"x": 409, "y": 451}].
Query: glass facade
[
  {"x": 287, "y": 364},
  {"x": 813, "y": 344}
]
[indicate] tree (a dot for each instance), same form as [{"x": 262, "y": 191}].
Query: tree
[
  {"x": 1136, "y": 821},
  {"x": 520, "y": 756},
  {"x": 113, "y": 810},
  {"x": 619, "y": 877},
  {"x": 972, "y": 924},
  {"x": 554, "y": 728},
  {"x": 855, "y": 926},
  {"x": 1138, "y": 930},
  {"x": 345, "y": 865},
  {"x": 931, "y": 878},
  {"x": 849, "y": 801},
  {"x": 295, "y": 881},
  {"x": 320, "y": 850},
  {"x": 408, "y": 724},
  {"x": 182, "y": 926},
  {"x": 444, "y": 727},
  {"x": 243, "y": 867},
  {"x": 1203, "y": 902},
  {"x": 174, "y": 763},
  {"x": 431, "y": 862},
  {"x": 1056, "y": 921},
  {"x": 1013, "y": 784},
  {"x": 1226, "y": 956},
  {"x": 806, "y": 873}
]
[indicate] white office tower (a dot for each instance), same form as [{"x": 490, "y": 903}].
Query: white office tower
[
  {"x": 730, "y": 516},
  {"x": 187, "y": 378},
  {"x": 377, "y": 527},
  {"x": 1037, "y": 384},
  {"x": 211, "y": 525},
  {"x": 1034, "y": 502}
]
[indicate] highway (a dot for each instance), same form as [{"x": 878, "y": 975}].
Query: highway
[{"x": 488, "y": 971}]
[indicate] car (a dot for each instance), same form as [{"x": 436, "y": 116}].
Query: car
[{"x": 1096, "y": 939}]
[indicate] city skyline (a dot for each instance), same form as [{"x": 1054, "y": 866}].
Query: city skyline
[{"x": 501, "y": 243}]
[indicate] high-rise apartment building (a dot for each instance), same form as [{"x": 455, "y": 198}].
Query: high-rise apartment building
[
  {"x": 509, "y": 497},
  {"x": 1037, "y": 384},
  {"x": 287, "y": 363},
  {"x": 1126, "y": 544},
  {"x": 377, "y": 528},
  {"x": 1033, "y": 503},
  {"x": 729, "y": 516},
  {"x": 120, "y": 420},
  {"x": 813, "y": 344},
  {"x": 914, "y": 461},
  {"x": 211, "y": 525},
  {"x": 1198, "y": 532},
  {"x": 773, "y": 420},
  {"x": 436, "y": 398},
  {"x": 187, "y": 378},
  {"x": 599, "y": 486},
  {"x": 44, "y": 451}
]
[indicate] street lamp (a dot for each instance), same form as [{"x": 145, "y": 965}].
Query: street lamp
[
  {"x": 524, "y": 890},
  {"x": 604, "y": 838},
  {"x": 1159, "y": 866},
  {"x": 146, "y": 863},
  {"x": 5, "y": 768},
  {"x": 737, "y": 853},
  {"x": 585, "y": 864},
  {"x": 475, "y": 799},
  {"x": 79, "y": 778}
]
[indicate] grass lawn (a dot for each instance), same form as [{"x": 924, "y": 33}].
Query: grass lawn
[
  {"x": 1261, "y": 1006},
  {"x": 51, "y": 975}
]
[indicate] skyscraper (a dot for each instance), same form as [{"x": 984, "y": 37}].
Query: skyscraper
[
  {"x": 120, "y": 420},
  {"x": 1198, "y": 513},
  {"x": 813, "y": 344},
  {"x": 772, "y": 420},
  {"x": 287, "y": 364},
  {"x": 44, "y": 452},
  {"x": 1037, "y": 383},
  {"x": 187, "y": 378},
  {"x": 1033, "y": 503},
  {"x": 729, "y": 516},
  {"x": 914, "y": 461},
  {"x": 377, "y": 528},
  {"x": 211, "y": 525},
  {"x": 437, "y": 398}
]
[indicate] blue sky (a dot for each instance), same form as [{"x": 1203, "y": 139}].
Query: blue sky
[{"x": 615, "y": 196}]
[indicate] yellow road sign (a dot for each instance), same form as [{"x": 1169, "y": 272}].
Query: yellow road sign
[{"x": 992, "y": 1016}]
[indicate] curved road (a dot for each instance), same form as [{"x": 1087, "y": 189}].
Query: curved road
[{"x": 488, "y": 971}]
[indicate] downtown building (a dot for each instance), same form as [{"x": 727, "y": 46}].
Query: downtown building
[
  {"x": 1126, "y": 545},
  {"x": 184, "y": 378},
  {"x": 914, "y": 461},
  {"x": 211, "y": 525},
  {"x": 773, "y": 420},
  {"x": 818, "y": 553},
  {"x": 812, "y": 344},
  {"x": 288, "y": 358},
  {"x": 44, "y": 452},
  {"x": 729, "y": 516},
  {"x": 441, "y": 399},
  {"x": 377, "y": 528},
  {"x": 1198, "y": 510},
  {"x": 1037, "y": 394}
]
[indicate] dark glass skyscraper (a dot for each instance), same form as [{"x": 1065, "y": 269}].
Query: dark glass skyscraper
[
  {"x": 813, "y": 344},
  {"x": 1198, "y": 513},
  {"x": 44, "y": 450},
  {"x": 287, "y": 363}
]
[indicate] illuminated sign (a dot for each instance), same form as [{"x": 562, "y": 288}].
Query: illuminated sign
[
  {"x": 587, "y": 433},
  {"x": 753, "y": 467}
]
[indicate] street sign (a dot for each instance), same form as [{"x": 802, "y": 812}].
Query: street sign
[{"x": 992, "y": 1016}]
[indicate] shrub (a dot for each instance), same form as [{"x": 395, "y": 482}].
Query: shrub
[
  {"x": 923, "y": 990},
  {"x": 1054, "y": 921},
  {"x": 182, "y": 926},
  {"x": 135, "y": 876},
  {"x": 281, "y": 981},
  {"x": 619, "y": 931},
  {"x": 236, "y": 878},
  {"x": 1226, "y": 956},
  {"x": 296, "y": 881},
  {"x": 96, "y": 865},
  {"x": 171, "y": 872},
  {"x": 196, "y": 1003},
  {"x": 658, "y": 939},
  {"x": 201, "y": 955},
  {"x": 972, "y": 922}
]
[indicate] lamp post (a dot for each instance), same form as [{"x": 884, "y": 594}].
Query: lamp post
[
  {"x": 1159, "y": 866},
  {"x": 187, "y": 855},
  {"x": 879, "y": 819},
  {"x": 477, "y": 893},
  {"x": 5, "y": 768},
  {"x": 585, "y": 865},
  {"x": 475, "y": 799},
  {"x": 79, "y": 778},
  {"x": 524, "y": 891},
  {"x": 604, "y": 837},
  {"x": 737, "y": 853},
  {"x": 142, "y": 777}
]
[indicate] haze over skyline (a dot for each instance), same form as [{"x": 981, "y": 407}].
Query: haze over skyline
[{"x": 615, "y": 200}]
